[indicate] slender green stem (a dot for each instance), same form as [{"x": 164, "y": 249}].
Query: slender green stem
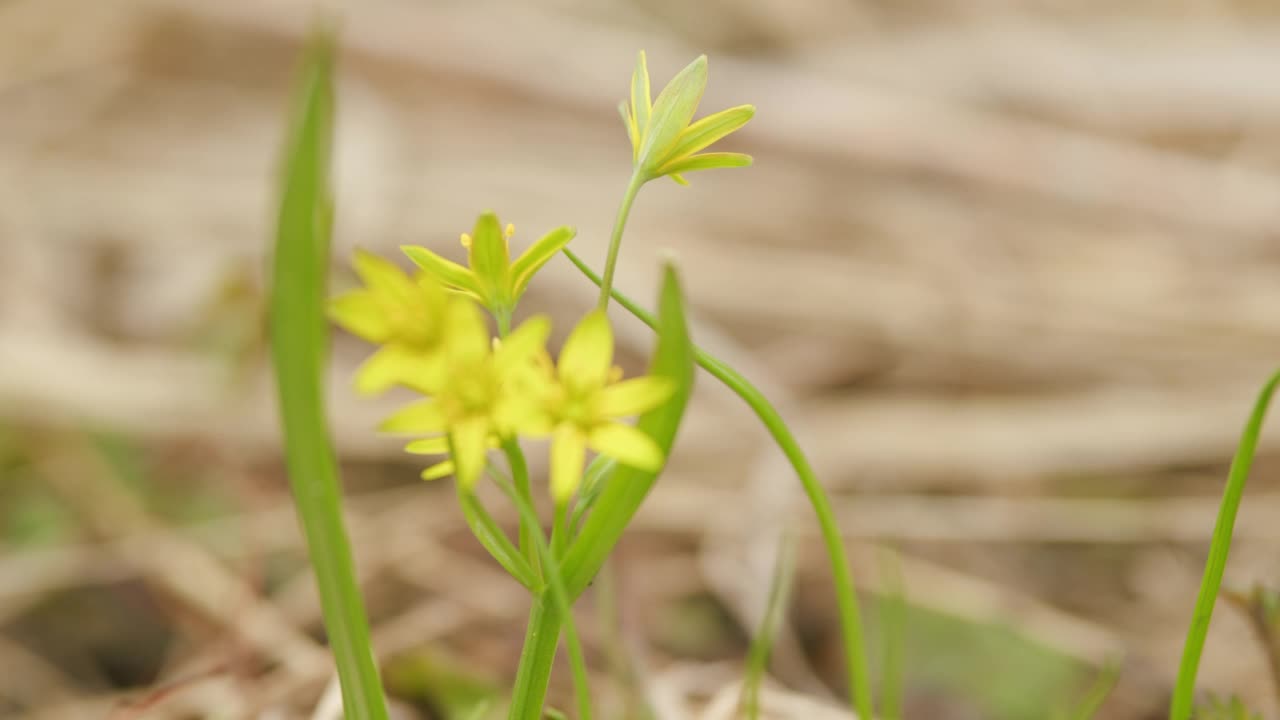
[
  {"x": 520, "y": 471},
  {"x": 486, "y": 530},
  {"x": 846, "y": 596},
  {"x": 541, "y": 638},
  {"x": 762, "y": 645},
  {"x": 299, "y": 344},
  {"x": 615, "y": 240},
  {"x": 503, "y": 318},
  {"x": 560, "y": 529},
  {"x": 1184, "y": 691},
  {"x": 555, "y": 583}
]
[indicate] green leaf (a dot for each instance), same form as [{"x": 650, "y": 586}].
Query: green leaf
[
  {"x": 299, "y": 343},
  {"x": 672, "y": 111},
  {"x": 780, "y": 585},
  {"x": 621, "y": 497},
  {"x": 1185, "y": 687}
]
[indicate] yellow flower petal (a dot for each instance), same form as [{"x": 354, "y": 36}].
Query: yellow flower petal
[
  {"x": 439, "y": 470},
  {"x": 672, "y": 111},
  {"x": 386, "y": 368},
  {"x": 438, "y": 445},
  {"x": 360, "y": 313},
  {"x": 467, "y": 339},
  {"x": 470, "y": 441},
  {"x": 448, "y": 272},
  {"x": 635, "y": 396},
  {"x": 568, "y": 455},
  {"x": 705, "y": 161},
  {"x": 382, "y": 276},
  {"x": 711, "y": 128},
  {"x": 587, "y": 354},
  {"x": 489, "y": 258},
  {"x": 522, "y": 346},
  {"x": 627, "y": 445},
  {"x": 424, "y": 416},
  {"x": 641, "y": 99},
  {"x": 624, "y": 109},
  {"x": 524, "y": 267}
]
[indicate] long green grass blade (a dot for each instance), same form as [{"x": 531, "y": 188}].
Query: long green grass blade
[
  {"x": 1184, "y": 691},
  {"x": 846, "y": 597},
  {"x": 784, "y": 570},
  {"x": 299, "y": 344}
]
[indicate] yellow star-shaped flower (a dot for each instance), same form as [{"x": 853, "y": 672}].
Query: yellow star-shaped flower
[
  {"x": 663, "y": 140},
  {"x": 489, "y": 393},
  {"x": 492, "y": 279},
  {"x": 585, "y": 401},
  {"x": 402, "y": 314}
]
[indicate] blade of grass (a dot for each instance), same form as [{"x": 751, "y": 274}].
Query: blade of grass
[
  {"x": 1181, "y": 706},
  {"x": 893, "y": 624},
  {"x": 299, "y": 344},
  {"x": 846, "y": 596},
  {"x": 1098, "y": 692},
  {"x": 784, "y": 570}
]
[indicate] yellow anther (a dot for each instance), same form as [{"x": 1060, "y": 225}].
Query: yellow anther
[
  {"x": 466, "y": 241},
  {"x": 510, "y": 230}
]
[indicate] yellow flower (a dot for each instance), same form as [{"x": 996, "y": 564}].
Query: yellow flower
[
  {"x": 487, "y": 393},
  {"x": 492, "y": 279},
  {"x": 585, "y": 401},
  {"x": 663, "y": 142},
  {"x": 404, "y": 315}
]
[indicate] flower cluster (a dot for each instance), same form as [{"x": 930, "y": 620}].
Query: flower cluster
[{"x": 483, "y": 390}]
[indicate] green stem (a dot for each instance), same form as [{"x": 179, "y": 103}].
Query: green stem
[
  {"x": 299, "y": 345},
  {"x": 564, "y": 607},
  {"x": 615, "y": 240},
  {"x": 486, "y": 530},
  {"x": 520, "y": 471},
  {"x": 1184, "y": 691},
  {"x": 846, "y": 596},
  {"x": 542, "y": 636},
  {"x": 560, "y": 529}
]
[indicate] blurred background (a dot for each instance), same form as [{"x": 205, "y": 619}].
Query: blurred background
[{"x": 1010, "y": 268}]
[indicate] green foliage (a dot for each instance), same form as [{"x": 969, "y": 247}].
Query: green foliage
[
  {"x": 1216, "y": 708},
  {"x": 846, "y": 596},
  {"x": 780, "y": 585},
  {"x": 1184, "y": 689},
  {"x": 299, "y": 343}
]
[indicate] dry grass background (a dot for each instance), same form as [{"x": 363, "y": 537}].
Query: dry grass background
[{"x": 1011, "y": 268}]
